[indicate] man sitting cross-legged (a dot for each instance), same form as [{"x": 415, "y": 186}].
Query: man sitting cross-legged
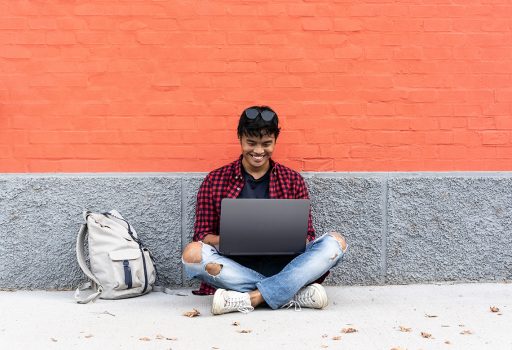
[{"x": 245, "y": 282}]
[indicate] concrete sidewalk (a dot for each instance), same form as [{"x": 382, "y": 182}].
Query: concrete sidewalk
[{"x": 451, "y": 317}]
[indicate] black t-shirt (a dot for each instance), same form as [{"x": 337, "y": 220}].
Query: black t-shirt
[
  {"x": 266, "y": 265},
  {"x": 255, "y": 188}
]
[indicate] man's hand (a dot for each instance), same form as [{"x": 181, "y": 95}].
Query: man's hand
[{"x": 212, "y": 240}]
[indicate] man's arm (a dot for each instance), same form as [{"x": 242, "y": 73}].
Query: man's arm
[
  {"x": 301, "y": 192},
  {"x": 207, "y": 218}
]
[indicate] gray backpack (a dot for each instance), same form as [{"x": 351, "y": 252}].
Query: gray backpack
[{"x": 121, "y": 267}]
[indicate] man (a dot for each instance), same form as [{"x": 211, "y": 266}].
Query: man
[{"x": 246, "y": 282}]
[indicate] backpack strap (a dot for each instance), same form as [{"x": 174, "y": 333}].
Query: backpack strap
[{"x": 80, "y": 255}]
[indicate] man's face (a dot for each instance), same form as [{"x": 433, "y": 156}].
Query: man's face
[{"x": 257, "y": 150}]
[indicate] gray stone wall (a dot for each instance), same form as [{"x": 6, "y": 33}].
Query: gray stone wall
[{"x": 401, "y": 227}]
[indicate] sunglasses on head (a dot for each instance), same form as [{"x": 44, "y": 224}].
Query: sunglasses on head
[{"x": 266, "y": 115}]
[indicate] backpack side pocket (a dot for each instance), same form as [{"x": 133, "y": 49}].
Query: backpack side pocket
[{"x": 126, "y": 264}]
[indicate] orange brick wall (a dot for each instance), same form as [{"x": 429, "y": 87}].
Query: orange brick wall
[{"x": 158, "y": 85}]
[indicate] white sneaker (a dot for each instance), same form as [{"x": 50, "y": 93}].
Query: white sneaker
[
  {"x": 225, "y": 301},
  {"x": 312, "y": 296}
]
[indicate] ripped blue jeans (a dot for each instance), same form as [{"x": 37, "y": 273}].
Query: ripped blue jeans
[{"x": 320, "y": 256}]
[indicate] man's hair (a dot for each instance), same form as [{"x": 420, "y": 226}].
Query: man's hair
[{"x": 258, "y": 127}]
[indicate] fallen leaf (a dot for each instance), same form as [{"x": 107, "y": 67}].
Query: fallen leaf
[
  {"x": 447, "y": 342},
  {"x": 236, "y": 324},
  {"x": 88, "y": 336},
  {"x": 244, "y": 331},
  {"x": 445, "y": 325},
  {"x": 466, "y": 332},
  {"x": 494, "y": 309},
  {"x": 192, "y": 313},
  {"x": 348, "y": 330},
  {"x": 430, "y": 316},
  {"x": 404, "y": 329},
  {"x": 323, "y": 346},
  {"x": 214, "y": 347},
  {"x": 426, "y": 335},
  {"x": 145, "y": 339},
  {"x": 397, "y": 349},
  {"x": 54, "y": 340},
  {"x": 338, "y": 337},
  {"x": 324, "y": 335}
]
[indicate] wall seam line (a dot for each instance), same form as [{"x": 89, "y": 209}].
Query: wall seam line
[{"x": 384, "y": 233}]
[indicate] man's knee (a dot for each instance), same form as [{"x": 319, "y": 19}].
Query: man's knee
[
  {"x": 340, "y": 239},
  {"x": 192, "y": 253},
  {"x": 213, "y": 268}
]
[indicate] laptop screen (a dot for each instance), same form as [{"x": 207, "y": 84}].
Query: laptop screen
[{"x": 263, "y": 226}]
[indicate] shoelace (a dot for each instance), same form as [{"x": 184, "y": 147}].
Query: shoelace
[
  {"x": 238, "y": 304},
  {"x": 294, "y": 304},
  {"x": 305, "y": 298}
]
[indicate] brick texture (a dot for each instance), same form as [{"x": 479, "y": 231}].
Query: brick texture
[{"x": 90, "y": 86}]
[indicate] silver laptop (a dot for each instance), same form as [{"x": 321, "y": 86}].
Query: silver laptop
[{"x": 263, "y": 226}]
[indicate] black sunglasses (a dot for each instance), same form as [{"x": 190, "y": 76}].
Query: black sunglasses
[{"x": 266, "y": 115}]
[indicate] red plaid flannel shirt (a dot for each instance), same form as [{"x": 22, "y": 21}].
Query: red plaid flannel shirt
[{"x": 227, "y": 182}]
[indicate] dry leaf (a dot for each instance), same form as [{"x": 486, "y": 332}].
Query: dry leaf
[
  {"x": 494, "y": 309},
  {"x": 54, "y": 340},
  {"x": 404, "y": 329},
  {"x": 447, "y": 342},
  {"x": 324, "y": 335},
  {"x": 338, "y": 337},
  {"x": 236, "y": 324},
  {"x": 426, "y": 335},
  {"x": 323, "y": 346},
  {"x": 348, "y": 330},
  {"x": 397, "y": 349},
  {"x": 145, "y": 339},
  {"x": 244, "y": 331},
  {"x": 466, "y": 331},
  {"x": 89, "y": 336},
  {"x": 192, "y": 313},
  {"x": 430, "y": 316}
]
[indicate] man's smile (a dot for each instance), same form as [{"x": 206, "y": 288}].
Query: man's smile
[{"x": 257, "y": 157}]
